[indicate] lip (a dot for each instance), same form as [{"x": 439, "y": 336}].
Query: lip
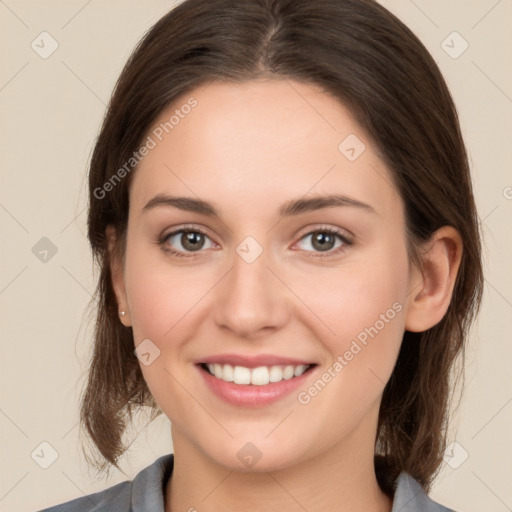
[
  {"x": 253, "y": 361},
  {"x": 248, "y": 395}
]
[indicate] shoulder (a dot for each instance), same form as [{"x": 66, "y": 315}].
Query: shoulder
[
  {"x": 115, "y": 499},
  {"x": 144, "y": 492},
  {"x": 410, "y": 497}
]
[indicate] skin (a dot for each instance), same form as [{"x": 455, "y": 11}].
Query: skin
[{"x": 247, "y": 149}]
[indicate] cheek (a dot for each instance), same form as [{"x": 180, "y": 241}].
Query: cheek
[
  {"x": 361, "y": 308},
  {"x": 157, "y": 303},
  {"x": 160, "y": 295},
  {"x": 342, "y": 303},
  {"x": 164, "y": 302},
  {"x": 354, "y": 297}
]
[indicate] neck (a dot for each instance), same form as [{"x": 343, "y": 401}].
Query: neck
[{"x": 342, "y": 479}]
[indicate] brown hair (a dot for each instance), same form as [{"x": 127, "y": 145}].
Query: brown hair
[{"x": 363, "y": 55}]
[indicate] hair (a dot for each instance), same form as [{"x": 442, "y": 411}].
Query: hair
[{"x": 365, "y": 57}]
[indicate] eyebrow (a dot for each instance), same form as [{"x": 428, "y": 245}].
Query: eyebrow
[{"x": 290, "y": 208}]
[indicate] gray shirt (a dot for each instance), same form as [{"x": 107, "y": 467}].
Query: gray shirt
[{"x": 145, "y": 493}]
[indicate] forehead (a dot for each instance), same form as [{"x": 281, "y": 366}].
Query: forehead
[{"x": 260, "y": 139}]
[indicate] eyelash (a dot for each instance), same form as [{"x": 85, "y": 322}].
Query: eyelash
[{"x": 162, "y": 241}]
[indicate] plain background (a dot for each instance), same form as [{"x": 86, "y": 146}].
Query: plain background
[{"x": 51, "y": 110}]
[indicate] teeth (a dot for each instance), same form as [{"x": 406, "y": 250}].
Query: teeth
[
  {"x": 288, "y": 372},
  {"x": 228, "y": 373},
  {"x": 260, "y": 376},
  {"x": 276, "y": 374},
  {"x": 299, "y": 370},
  {"x": 241, "y": 375}
]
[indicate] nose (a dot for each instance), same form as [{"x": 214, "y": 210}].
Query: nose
[{"x": 251, "y": 301}]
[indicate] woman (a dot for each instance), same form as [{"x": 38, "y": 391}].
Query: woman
[{"x": 282, "y": 212}]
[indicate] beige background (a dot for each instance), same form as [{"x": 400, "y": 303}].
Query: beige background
[{"x": 51, "y": 111}]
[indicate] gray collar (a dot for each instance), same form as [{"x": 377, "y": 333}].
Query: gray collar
[
  {"x": 410, "y": 497},
  {"x": 148, "y": 490},
  {"x": 145, "y": 493}
]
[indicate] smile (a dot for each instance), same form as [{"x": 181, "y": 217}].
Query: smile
[
  {"x": 259, "y": 376},
  {"x": 254, "y": 381}
]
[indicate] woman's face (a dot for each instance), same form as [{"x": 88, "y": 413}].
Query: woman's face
[{"x": 277, "y": 278}]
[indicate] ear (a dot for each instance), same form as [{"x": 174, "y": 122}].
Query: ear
[
  {"x": 117, "y": 273},
  {"x": 431, "y": 288}
]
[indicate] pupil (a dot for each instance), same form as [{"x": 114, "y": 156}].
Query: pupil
[
  {"x": 324, "y": 241},
  {"x": 192, "y": 240}
]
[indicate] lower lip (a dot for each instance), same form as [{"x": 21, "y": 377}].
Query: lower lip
[{"x": 249, "y": 394}]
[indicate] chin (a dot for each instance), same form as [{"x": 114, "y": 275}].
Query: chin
[{"x": 254, "y": 457}]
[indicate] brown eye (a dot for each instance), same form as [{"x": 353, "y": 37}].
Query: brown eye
[
  {"x": 186, "y": 241},
  {"x": 192, "y": 241},
  {"x": 324, "y": 240}
]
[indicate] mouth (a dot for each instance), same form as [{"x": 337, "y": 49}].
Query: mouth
[
  {"x": 256, "y": 381},
  {"x": 258, "y": 376}
]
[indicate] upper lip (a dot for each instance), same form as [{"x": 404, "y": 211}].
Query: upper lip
[{"x": 253, "y": 361}]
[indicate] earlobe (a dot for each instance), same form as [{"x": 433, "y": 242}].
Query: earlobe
[
  {"x": 116, "y": 271},
  {"x": 430, "y": 297}
]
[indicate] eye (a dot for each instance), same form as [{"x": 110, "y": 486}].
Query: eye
[
  {"x": 325, "y": 240},
  {"x": 183, "y": 241}
]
